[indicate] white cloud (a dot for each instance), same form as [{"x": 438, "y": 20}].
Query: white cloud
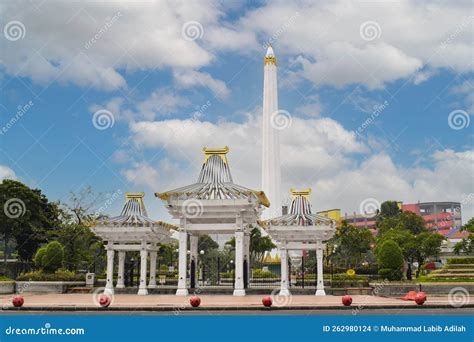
[
  {"x": 319, "y": 153},
  {"x": 161, "y": 102},
  {"x": 7, "y": 173},
  {"x": 466, "y": 89},
  {"x": 327, "y": 41},
  {"x": 190, "y": 78},
  {"x": 95, "y": 43}
]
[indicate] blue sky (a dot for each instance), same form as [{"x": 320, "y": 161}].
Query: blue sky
[{"x": 337, "y": 65}]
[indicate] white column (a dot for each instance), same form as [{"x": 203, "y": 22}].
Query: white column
[
  {"x": 183, "y": 249},
  {"x": 284, "y": 272},
  {"x": 193, "y": 248},
  {"x": 142, "y": 291},
  {"x": 152, "y": 280},
  {"x": 109, "y": 285},
  {"x": 239, "y": 289},
  {"x": 272, "y": 119},
  {"x": 121, "y": 268},
  {"x": 319, "y": 259}
]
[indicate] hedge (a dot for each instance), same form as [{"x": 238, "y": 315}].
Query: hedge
[
  {"x": 59, "y": 275},
  {"x": 464, "y": 260}
]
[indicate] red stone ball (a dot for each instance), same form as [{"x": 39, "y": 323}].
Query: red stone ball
[
  {"x": 267, "y": 301},
  {"x": 104, "y": 300},
  {"x": 195, "y": 301},
  {"x": 18, "y": 301},
  {"x": 347, "y": 300},
  {"x": 420, "y": 298}
]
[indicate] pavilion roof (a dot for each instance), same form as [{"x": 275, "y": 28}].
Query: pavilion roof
[
  {"x": 214, "y": 182},
  {"x": 133, "y": 214},
  {"x": 300, "y": 213}
]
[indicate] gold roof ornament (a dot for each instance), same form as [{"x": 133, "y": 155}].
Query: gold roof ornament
[
  {"x": 130, "y": 195},
  {"x": 221, "y": 152},
  {"x": 303, "y": 192},
  {"x": 270, "y": 56}
]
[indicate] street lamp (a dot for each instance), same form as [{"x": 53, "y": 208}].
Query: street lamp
[{"x": 201, "y": 252}]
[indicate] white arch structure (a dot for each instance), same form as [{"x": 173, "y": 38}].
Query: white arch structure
[
  {"x": 300, "y": 229},
  {"x": 214, "y": 205}
]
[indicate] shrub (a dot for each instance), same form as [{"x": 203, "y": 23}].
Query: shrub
[
  {"x": 258, "y": 273},
  {"x": 39, "y": 257},
  {"x": 465, "y": 260},
  {"x": 53, "y": 257},
  {"x": 390, "y": 260},
  {"x": 59, "y": 275},
  {"x": 3, "y": 278}
]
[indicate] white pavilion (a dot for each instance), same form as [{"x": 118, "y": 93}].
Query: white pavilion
[
  {"x": 298, "y": 230},
  {"x": 214, "y": 205},
  {"x": 133, "y": 230}
]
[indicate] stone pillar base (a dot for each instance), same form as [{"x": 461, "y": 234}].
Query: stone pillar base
[
  {"x": 182, "y": 292},
  {"x": 239, "y": 293},
  {"x": 284, "y": 292},
  {"x": 142, "y": 292},
  {"x": 120, "y": 286},
  {"x": 108, "y": 291},
  {"x": 320, "y": 293},
  {"x": 152, "y": 286}
]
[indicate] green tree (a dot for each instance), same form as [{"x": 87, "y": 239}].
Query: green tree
[
  {"x": 53, "y": 257},
  {"x": 390, "y": 260},
  {"x": 404, "y": 220},
  {"x": 81, "y": 246},
  {"x": 388, "y": 209},
  {"x": 352, "y": 243},
  {"x": 466, "y": 245},
  {"x": 27, "y": 216},
  {"x": 206, "y": 243},
  {"x": 258, "y": 245},
  {"x": 417, "y": 243},
  {"x": 407, "y": 243}
]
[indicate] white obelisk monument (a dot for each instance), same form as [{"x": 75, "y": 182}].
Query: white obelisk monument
[{"x": 271, "y": 173}]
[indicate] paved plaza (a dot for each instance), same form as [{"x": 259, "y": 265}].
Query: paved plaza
[{"x": 216, "y": 302}]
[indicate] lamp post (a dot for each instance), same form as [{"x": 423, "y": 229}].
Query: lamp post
[{"x": 201, "y": 252}]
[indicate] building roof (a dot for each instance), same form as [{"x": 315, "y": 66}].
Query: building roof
[
  {"x": 300, "y": 212},
  {"x": 133, "y": 213},
  {"x": 214, "y": 182}
]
